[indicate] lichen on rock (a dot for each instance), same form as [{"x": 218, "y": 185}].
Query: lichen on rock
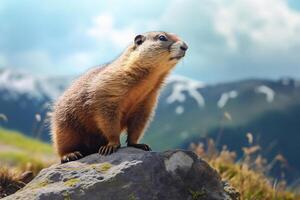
[{"x": 128, "y": 174}]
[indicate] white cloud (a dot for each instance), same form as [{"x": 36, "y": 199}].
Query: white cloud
[
  {"x": 105, "y": 30},
  {"x": 228, "y": 39},
  {"x": 236, "y": 39},
  {"x": 269, "y": 23}
]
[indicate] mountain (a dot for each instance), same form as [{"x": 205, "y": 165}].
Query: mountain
[
  {"x": 195, "y": 109},
  {"x": 268, "y": 109},
  {"x": 25, "y": 101}
]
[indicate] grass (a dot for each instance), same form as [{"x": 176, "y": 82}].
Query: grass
[
  {"x": 21, "y": 158},
  {"x": 9, "y": 182},
  {"x": 246, "y": 175},
  {"x": 250, "y": 182},
  {"x": 24, "y": 153},
  {"x": 22, "y": 161},
  {"x": 18, "y": 140}
]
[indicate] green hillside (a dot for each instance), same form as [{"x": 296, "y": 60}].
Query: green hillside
[{"x": 23, "y": 153}]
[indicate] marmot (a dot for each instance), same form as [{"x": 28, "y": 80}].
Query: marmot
[{"x": 92, "y": 113}]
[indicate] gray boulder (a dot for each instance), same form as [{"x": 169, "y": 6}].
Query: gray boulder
[{"x": 130, "y": 174}]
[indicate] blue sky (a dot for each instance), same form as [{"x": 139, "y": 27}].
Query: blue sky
[{"x": 228, "y": 39}]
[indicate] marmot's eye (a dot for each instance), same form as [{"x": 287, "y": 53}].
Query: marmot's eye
[{"x": 162, "y": 38}]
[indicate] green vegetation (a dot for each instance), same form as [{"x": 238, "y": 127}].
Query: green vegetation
[
  {"x": 105, "y": 166},
  {"x": 21, "y": 153},
  {"x": 132, "y": 197},
  {"x": 18, "y": 140},
  {"x": 102, "y": 167},
  {"x": 66, "y": 195},
  {"x": 71, "y": 182},
  {"x": 197, "y": 195},
  {"x": 22, "y": 161}
]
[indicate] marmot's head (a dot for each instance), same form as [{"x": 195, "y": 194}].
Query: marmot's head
[{"x": 159, "y": 48}]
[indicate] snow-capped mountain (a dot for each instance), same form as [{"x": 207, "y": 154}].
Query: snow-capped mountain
[
  {"x": 182, "y": 86},
  {"x": 187, "y": 111},
  {"x": 25, "y": 101},
  {"x": 17, "y": 83},
  {"x": 197, "y": 108},
  {"x": 181, "y": 98}
]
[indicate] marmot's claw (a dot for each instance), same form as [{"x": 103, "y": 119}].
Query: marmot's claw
[
  {"x": 108, "y": 149},
  {"x": 144, "y": 147},
  {"x": 71, "y": 157}
]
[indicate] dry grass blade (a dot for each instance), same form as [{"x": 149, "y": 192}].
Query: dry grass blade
[
  {"x": 9, "y": 182},
  {"x": 247, "y": 175}
]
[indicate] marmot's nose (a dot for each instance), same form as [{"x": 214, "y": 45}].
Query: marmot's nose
[{"x": 183, "y": 46}]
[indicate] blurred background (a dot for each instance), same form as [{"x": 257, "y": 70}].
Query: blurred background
[{"x": 238, "y": 84}]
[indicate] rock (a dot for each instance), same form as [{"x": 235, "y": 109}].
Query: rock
[{"x": 130, "y": 174}]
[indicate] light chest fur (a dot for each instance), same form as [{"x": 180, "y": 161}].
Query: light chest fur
[{"x": 139, "y": 93}]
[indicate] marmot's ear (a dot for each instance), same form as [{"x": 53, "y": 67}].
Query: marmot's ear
[{"x": 139, "y": 39}]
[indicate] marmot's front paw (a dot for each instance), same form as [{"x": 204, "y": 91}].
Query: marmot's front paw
[
  {"x": 71, "y": 157},
  {"x": 108, "y": 149},
  {"x": 144, "y": 147}
]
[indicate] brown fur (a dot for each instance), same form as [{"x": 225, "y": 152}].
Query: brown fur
[{"x": 120, "y": 96}]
